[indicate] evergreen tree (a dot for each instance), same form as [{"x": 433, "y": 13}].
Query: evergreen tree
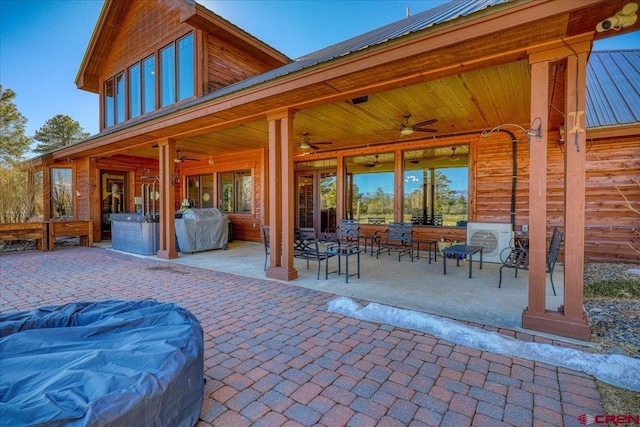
[
  {"x": 14, "y": 144},
  {"x": 58, "y": 132}
]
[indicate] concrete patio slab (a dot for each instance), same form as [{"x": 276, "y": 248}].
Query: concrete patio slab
[{"x": 417, "y": 285}]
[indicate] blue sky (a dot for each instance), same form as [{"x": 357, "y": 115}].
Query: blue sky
[{"x": 42, "y": 42}]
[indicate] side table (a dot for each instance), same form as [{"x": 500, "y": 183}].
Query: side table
[
  {"x": 341, "y": 251},
  {"x": 461, "y": 250},
  {"x": 432, "y": 247}
]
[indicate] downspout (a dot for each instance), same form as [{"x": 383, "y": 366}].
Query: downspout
[{"x": 514, "y": 176}]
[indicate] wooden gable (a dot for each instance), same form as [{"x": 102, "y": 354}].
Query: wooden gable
[{"x": 127, "y": 32}]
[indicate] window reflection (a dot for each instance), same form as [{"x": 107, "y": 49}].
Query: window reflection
[
  {"x": 185, "y": 67},
  {"x": 61, "y": 193},
  {"x": 200, "y": 191},
  {"x": 436, "y": 186},
  {"x": 167, "y": 76},
  {"x": 235, "y": 191},
  {"x": 370, "y": 192}
]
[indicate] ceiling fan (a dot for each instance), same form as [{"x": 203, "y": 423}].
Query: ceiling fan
[
  {"x": 306, "y": 143},
  {"x": 406, "y": 129},
  {"x": 179, "y": 159},
  {"x": 454, "y": 157},
  {"x": 374, "y": 164}
]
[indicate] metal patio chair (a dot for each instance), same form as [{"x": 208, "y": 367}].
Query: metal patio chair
[
  {"x": 518, "y": 258},
  {"x": 398, "y": 238}
]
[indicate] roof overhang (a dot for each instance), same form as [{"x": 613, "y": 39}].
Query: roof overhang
[
  {"x": 105, "y": 30},
  {"x": 202, "y": 18},
  {"x": 507, "y": 34}
]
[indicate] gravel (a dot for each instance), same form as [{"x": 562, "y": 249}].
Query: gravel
[{"x": 615, "y": 323}]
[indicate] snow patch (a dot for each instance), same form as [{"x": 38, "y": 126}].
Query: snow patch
[{"x": 617, "y": 370}]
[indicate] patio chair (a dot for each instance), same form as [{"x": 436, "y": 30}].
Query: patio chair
[
  {"x": 305, "y": 246},
  {"x": 347, "y": 234},
  {"x": 398, "y": 238},
  {"x": 518, "y": 258}
]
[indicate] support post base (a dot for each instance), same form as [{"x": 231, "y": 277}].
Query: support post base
[
  {"x": 282, "y": 273},
  {"x": 555, "y": 322},
  {"x": 167, "y": 254}
]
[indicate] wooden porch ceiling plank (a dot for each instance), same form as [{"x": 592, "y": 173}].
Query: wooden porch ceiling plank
[{"x": 486, "y": 88}]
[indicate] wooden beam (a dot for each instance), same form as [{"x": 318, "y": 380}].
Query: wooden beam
[
  {"x": 167, "y": 150},
  {"x": 574, "y": 189},
  {"x": 538, "y": 189},
  {"x": 570, "y": 319},
  {"x": 281, "y": 195}
]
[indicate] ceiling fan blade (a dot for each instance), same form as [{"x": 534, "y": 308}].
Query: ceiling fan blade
[
  {"x": 314, "y": 145},
  {"x": 421, "y": 129},
  {"x": 426, "y": 123}
]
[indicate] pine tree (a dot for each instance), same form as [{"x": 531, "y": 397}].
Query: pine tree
[
  {"x": 58, "y": 132},
  {"x": 13, "y": 142}
]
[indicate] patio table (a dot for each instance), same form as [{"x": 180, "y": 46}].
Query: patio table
[
  {"x": 468, "y": 250},
  {"x": 431, "y": 246},
  {"x": 340, "y": 251}
]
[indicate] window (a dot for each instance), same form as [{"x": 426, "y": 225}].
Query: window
[
  {"x": 436, "y": 186},
  {"x": 200, "y": 191},
  {"x": 167, "y": 76},
  {"x": 135, "y": 102},
  {"x": 61, "y": 193},
  {"x": 149, "y": 84},
  {"x": 109, "y": 106},
  {"x": 185, "y": 67},
  {"x": 119, "y": 98},
  {"x": 235, "y": 190},
  {"x": 128, "y": 95},
  {"x": 370, "y": 188}
]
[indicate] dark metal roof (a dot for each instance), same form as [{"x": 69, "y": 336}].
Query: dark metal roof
[
  {"x": 418, "y": 22},
  {"x": 613, "y": 88}
]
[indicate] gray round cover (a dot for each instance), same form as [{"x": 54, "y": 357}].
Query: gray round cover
[{"x": 112, "y": 363}]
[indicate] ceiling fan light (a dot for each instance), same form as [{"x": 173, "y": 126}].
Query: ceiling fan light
[
  {"x": 406, "y": 131},
  {"x": 304, "y": 145}
]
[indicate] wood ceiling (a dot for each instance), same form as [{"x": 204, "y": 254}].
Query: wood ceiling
[{"x": 470, "y": 102}]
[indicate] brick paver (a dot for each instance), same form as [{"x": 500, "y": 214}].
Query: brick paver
[{"x": 275, "y": 356}]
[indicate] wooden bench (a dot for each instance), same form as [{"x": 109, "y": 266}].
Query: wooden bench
[
  {"x": 26, "y": 231},
  {"x": 82, "y": 229}
]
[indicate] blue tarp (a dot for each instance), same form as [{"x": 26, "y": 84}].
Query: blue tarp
[{"x": 113, "y": 363}]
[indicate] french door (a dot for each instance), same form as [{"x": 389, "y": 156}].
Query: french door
[
  {"x": 316, "y": 199},
  {"x": 113, "y": 199}
]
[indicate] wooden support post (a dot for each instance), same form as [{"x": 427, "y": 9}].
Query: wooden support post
[
  {"x": 281, "y": 195},
  {"x": 574, "y": 194},
  {"x": 569, "y": 320},
  {"x": 538, "y": 192},
  {"x": 167, "y": 151}
]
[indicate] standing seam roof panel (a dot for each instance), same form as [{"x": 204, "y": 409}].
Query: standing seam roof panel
[
  {"x": 613, "y": 88},
  {"x": 420, "y": 21}
]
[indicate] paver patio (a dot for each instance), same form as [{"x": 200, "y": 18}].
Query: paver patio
[{"x": 275, "y": 356}]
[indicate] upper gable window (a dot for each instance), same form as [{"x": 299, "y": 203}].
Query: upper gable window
[
  {"x": 138, "y": 91},
  {"x": 176, "y": 71},
  {"x": 149, "y": 84},
  {"x": 185, "y": 67},
  {"x": 135, "y": 104}
]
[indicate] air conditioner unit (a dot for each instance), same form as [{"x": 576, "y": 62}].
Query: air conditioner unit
[{"x": 494, "y": 236}]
